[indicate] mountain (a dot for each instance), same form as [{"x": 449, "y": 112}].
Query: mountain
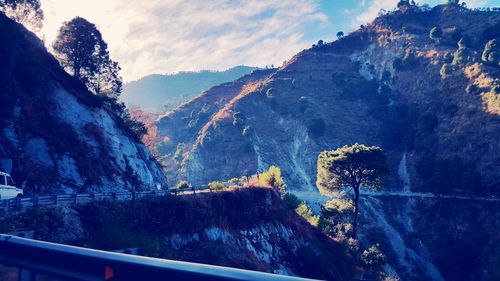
[
  {"x": 157, "y": 92},
  {"x": 55, "y": 136},
  {"x": 431, "y": 102}
]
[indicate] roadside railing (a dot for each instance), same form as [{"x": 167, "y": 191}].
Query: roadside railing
[
  {"x": 22, "y": 203},
  {"x": 27, "y": 259}
]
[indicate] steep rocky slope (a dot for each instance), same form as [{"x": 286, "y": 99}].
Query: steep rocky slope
[
  {"x": 157, "y": 92},
  {"x": 431, "y": 104},
  {"x": 181, "y": 125},
  {"x": 248, "y": 228},
  {"x": 55, "y": 136},
  {"x": 380, "y": 85}
]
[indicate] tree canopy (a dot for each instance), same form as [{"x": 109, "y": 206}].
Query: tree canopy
[
  {"x": 436, "y": 34},
  {"x": 353, "y": 167},
  {"x": 82, "y": 51},
  {"x": 26, "y": 12},
  {"x": 491, "y": 53}
]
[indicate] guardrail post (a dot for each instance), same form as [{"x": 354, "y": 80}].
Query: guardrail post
[
  {"x": 35, "y": 200},
  {"x": 114, "y": 195},
  {"x": 56, "y": 199},
  {"x": 194, "y": 190},
  {"x": 75, "y": 198},
  {"x": 92, "y": 196}
]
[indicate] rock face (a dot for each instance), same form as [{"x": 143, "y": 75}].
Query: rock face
[
  {"x": 54, "y": 135},
  {"x": 433, "y": 106}
]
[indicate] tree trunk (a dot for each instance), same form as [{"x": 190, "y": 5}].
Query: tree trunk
[{"x": 356, "y": 211}]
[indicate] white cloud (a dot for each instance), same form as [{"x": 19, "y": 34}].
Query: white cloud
[{"x": 166, "y": 36}]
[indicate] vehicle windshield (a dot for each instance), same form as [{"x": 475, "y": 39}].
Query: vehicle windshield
[{"x": 10, "y": 181}]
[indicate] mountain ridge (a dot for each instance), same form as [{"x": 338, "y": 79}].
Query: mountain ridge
[{"x": 157, "y": 92}]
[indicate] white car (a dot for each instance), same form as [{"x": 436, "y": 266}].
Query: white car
[{"x": 8, "y": 190}]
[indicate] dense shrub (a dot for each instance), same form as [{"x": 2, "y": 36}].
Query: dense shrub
[
  {"x": 491, "y": 53},
  {"x": 233, "y": 181},
  {"x": 304, "y": 211},
  {"x": 272, "y": 177},
  {"x": 446, "y": 70},
  {"x": 335, "y": 218},
  {"x": 409, "y": 59},
  {"x": 462, "y": 56},
  {"x": 436, "y": 34},
  {"x": 374, "y": 260},
  {"x": 182, "y": 185},
  {"x": 216, "y": 185},
  {"x": 238, "y": 119}
]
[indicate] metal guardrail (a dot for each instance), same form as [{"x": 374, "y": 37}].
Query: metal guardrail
[
  {"x": 22, "y": 203},
  {"x": 75, "y": 263}
]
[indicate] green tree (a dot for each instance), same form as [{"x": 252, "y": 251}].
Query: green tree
[
  {"x": 336, "y": 217},
  {"x": 491, "y": 53},
  {"x": 357, "y": 166},
  {"x": 436, "y": 34},
  {"x": 373, "y": 259},
  {"x": 81, "y": 50},
  {"x": 26, "y": 12},
  {"x": 446, "y": 71},
  {"x": 340, "y": 34},
  {"x": 272, "y": 177}
]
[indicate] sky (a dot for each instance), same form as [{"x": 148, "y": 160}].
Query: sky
[{"x": 167, "y": 36}]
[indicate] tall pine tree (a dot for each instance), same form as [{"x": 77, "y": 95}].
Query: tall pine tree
[{"x": 82, "y": 51}]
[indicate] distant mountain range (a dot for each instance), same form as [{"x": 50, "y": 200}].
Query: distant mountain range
[{"x": 160, "y": 92}]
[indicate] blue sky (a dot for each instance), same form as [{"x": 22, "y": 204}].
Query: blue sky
[{"x": 165, "y": 36}]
